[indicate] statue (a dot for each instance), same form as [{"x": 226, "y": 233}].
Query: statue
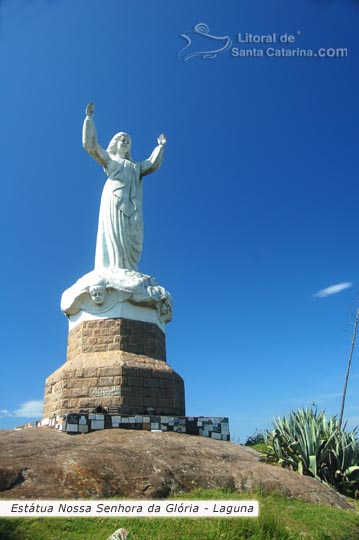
[
  {"x": 115, "y": 288},
  {"x": 120, "y": 225}
]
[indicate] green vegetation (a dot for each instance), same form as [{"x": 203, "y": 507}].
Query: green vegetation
[
  {"x": 312, "y": 444},
  {"x": 280, "y": 519},
  {"x": 256, "y": 438},
  {"x": 258, "y": 442},
  {"x": 261, "y": 447}
]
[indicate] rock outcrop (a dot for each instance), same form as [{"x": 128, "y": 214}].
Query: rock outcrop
[{"x": 46, "y": 464}]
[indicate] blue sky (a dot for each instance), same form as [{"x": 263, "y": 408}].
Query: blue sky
[{"x": 254, "y": 210}]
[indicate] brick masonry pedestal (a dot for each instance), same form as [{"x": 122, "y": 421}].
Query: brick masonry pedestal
[{"x": 119, "y": 363}]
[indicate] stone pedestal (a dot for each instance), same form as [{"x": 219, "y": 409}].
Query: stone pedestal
[
  {"x": 116, "y": 352},
  {"x": 119, "y": 363}
]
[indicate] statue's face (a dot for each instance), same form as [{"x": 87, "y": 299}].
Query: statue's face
[
  {"x": 165, "y": 308},
  {"x": 123, "y": 145},
  {"x": 97, "y": 293}
]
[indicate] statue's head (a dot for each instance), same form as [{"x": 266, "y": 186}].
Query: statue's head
[
  {"x": 97, "y": 293},
  {"x": 120, "y": 145},
  {"x": 164, "y": 309}
]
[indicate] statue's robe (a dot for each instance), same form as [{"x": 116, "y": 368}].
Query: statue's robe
[{"x": 120, "y": 227}]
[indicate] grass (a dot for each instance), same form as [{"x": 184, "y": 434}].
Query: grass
[
  {"x": 280, "y": 519},
  {"x": 260, "y": 447}
]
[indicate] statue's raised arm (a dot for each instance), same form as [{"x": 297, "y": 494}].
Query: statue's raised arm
[
  {"x": 89, "y": 138},
  {"x": 154, "y": 162}
]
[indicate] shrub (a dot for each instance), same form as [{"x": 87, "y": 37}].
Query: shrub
[
  {"x": 312, "y": 444},
  {"x": 256, "y": 438}
]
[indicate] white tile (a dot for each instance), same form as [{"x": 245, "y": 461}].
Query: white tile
[{"x": 97, "y": 424}]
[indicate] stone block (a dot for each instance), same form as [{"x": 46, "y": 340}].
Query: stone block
[
  {"x": 126, "y": 390},
  {"x": 75, "y": 392},
  {"x": 163, "y": 403},
  {"x": 131, "y": 368},
  {"x": 135, "y": 401},
  {"x": 87, "y": 332},
  {"x": 109, "y": 371},
  {"x": 135, "y": 381},
  {"x": 99, "y": 348},
  {"x": 154, "y": 383},
  {"x": 105, "y": 391},
  {"x": 90, "y": 372},
  {"x": 105, "y": 381},
  {"x": 130, "y": 381},
  {"x": 78, "y": 383},
  {"x": 149, "y": 402},
  {"x": 85, "y": 403},
  {"x": 145, "y": 372},
  {"x": 73, "y": 403},
  {"x": 149, "y": 392}
]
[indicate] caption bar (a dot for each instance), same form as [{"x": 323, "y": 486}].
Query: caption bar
[{"x": 129, "y": 508}]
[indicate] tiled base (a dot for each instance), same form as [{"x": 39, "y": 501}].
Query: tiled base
[{"x": 212, "y": 427}]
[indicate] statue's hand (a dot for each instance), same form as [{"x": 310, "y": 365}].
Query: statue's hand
[
  {"x": 162, "y": 140},
  {"x": 90, "y": 109}
]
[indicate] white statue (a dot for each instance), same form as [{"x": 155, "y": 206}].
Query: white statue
[
  {"x": 99, "y": 292},
  {"x": 120, "y": 226},
  {"x": 114, "y": 289}
]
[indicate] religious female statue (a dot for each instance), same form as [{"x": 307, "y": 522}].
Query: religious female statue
[{"x": 120, "y": 225}]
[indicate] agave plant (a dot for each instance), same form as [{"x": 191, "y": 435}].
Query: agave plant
[
  {"x": 345, "y": 459},
  {"x": 309, "y": 442}
]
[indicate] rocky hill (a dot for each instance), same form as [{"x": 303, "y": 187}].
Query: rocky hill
[{"x": 46, "y": 464}]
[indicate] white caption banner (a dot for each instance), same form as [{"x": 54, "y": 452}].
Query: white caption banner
[{"x": 127, "y": 508}]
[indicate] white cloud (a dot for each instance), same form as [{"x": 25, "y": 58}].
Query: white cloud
[
  {"x": 29, "y": 409},
  {"x": 333, "y": 289}
]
